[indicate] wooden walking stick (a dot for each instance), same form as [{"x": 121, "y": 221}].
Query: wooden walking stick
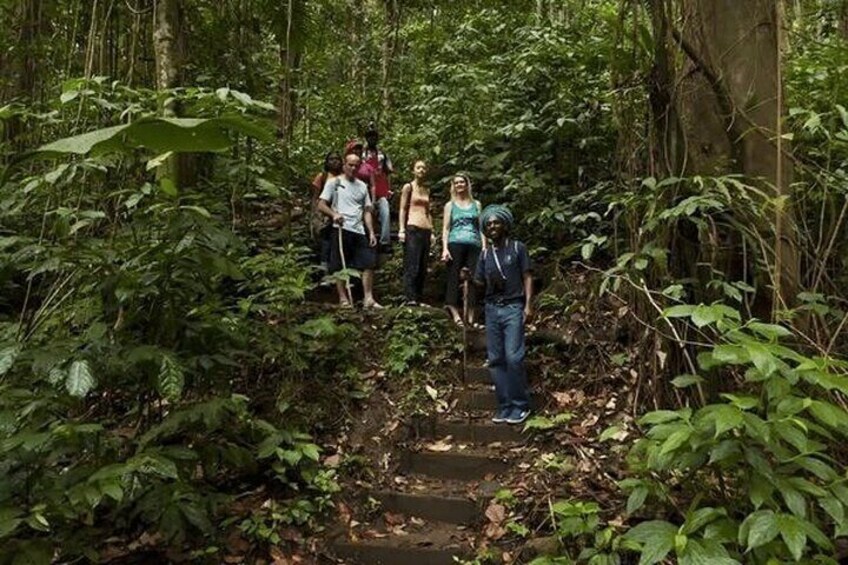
[
  {"x": 344, "y": 268},
  {"x": 465, "y": 330}
]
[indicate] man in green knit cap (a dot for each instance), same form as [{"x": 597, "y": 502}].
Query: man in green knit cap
[{"x": 504, "y": 269}]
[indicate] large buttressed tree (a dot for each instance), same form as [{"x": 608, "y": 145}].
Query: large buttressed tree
[{"x": 717, "y": 106}]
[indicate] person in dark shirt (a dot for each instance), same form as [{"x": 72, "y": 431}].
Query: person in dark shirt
[{"x": 504, "y": 270}]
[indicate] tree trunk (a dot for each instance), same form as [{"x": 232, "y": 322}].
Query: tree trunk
[
  {"x": 290, "y": 58},
  {"x": 731, "y": 106},
  {"x": 843, "y": 18},
  {"x": 390, "y": 44},
  {"x": 167, "y": 43},
  {"x": 168, "y": 50}
]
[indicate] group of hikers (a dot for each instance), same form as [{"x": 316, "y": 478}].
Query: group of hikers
[{"x": 476, "y": 248}]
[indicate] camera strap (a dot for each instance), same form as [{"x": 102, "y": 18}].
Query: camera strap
[{"x": 497, "y": 261}]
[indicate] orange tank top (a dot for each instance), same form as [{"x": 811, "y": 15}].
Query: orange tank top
[{"x": 419, "y": 210}]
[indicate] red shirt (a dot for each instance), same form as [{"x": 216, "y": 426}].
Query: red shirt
[{"x": 381, "y": 166}]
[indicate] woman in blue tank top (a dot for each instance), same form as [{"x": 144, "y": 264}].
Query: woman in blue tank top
[{"x": 461, "y": 243}]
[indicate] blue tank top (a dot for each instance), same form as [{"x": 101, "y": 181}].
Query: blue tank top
[{"x": 465, "y": 225}]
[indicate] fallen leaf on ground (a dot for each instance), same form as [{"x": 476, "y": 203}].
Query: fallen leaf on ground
[
  {"x": 344, "y": 513},
  {"x": 496, "y": 513},
  {"x": 236, "y": 543},
  {"x": 494, "y": 532},
  {"x": 590, "y": 421},
  {"x": 393, "y": 519},
  {"x": 278, "y": 558},
  {"x": 440, "y": 446},
  {"x": 333, "y": 460}
]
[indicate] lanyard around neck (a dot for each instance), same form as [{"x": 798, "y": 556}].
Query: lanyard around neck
[{"x": 497, "y": 261}]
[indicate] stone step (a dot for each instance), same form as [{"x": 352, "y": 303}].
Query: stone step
[
  {"x": 434, "y": 547},
  {"x": 478, "y": 375},
  {"x": 484, "y": 399},
  {"x": 464, "y": 466},
  {"x": 478, "y": 431},
  {"x": 431, "y": 507}
]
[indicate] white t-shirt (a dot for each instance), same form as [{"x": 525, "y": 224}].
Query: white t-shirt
[{"x": 350, "y": 198}]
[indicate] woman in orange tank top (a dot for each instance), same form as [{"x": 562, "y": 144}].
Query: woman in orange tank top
[{"x": 416, "y": 232}]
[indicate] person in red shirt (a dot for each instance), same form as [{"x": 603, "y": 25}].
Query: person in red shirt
[{"x": 380, "y": 168}]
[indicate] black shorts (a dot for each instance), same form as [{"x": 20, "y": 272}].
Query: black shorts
[{"x": 358, "y": 254}]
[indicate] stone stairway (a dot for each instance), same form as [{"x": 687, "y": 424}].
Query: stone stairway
[{"x": 439, "y": 494}]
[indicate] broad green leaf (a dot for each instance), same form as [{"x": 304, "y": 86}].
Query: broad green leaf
[
  {"x": 636, "y": 499},
  {"x": 793, "y": 435},
  {"x": 731, "y": 354},
  {"x": 726, "y": 418},
  {"x": 794, "y": 500},
  {"x": 113, "y": 490},
  {"x": 769, "y": 331},
  {"x": 819, "y": 468},
  {"x": 170, "y": 381},
  {"x": 160, "y": 135},
  {"x": 815, "y": 534},
  {"x": 68, "y": 95},
  {"x": 10, "y": 519},
  {"x": 7, "y": 358},
  {"x": 157, "y": 465},
  {"x": 311, "y": 451},
  {"x": 793, "y": 536},
  {"x": 843, "y": 114},
  {"x": 834, "y": 509},
  {"x": 80, "y": 380},
  {"x": 806, "y": 486},
  {"x": 660, "y": 417},
  {"x": 158, "y": 161},
  {"x": 830, "y": 415},
  {"x": 760, "y": 490},
  {"x": 762, "y": 358},
  {"x": 759, "y": 528},
  {"x": 700, "y": 518},
  {"x": 611, "y": 432},
  {"x": 742, "y": 402},
  {"x": 105, "y": 139},
  {"x": 196, "y": 516},
  {"x": 168, "y": 186},
  {"x": 704, "y": 315},
  {"x": 684, "y": 381},
  {"x": 657, "y": 539},
  {"x": 725, "y": 448},
  {"x": 675, "y": 440},
  {"x": 705, "y": 552},
  {"x": 679, "y": 311}
]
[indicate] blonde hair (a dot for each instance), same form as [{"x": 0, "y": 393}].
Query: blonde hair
[{"x": 467, "y": 182}]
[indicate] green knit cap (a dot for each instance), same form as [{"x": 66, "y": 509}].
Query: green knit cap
[{"x": 498, "y": 211}]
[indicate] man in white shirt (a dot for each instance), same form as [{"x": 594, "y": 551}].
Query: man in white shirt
[{"x": 347, "y": 201}]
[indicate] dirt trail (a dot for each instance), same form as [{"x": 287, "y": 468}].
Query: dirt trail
[{"x": 445, "y": 477}]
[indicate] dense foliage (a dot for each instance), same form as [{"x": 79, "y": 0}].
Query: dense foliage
[{"x": 156, "y": 355}]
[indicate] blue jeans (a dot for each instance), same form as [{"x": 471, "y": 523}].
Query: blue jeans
[
  {"x": 385, "y": 217},
  {"x": 505, "y": 345}
]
